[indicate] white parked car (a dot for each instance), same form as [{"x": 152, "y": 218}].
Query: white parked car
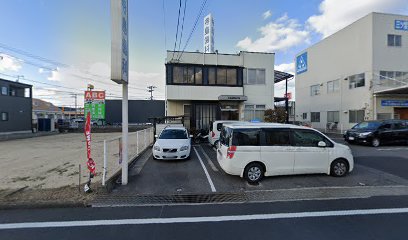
[
  {"x": 173, "y": 143},
  {"x": 253, "y": 151},
  {"x": 215, "y": 129}
]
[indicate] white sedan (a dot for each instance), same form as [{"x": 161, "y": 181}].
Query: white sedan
[{"x": 173, "y": 143}]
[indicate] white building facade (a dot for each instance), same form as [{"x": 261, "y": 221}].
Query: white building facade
[
  {"x": 358, "y": 73},
  {"x": 210, "y": 86}
]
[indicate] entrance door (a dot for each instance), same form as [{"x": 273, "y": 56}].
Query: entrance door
[{"x": 402, "y": 112}]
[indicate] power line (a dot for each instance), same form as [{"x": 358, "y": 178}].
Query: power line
[
  {"x": 150, "y": 90},
  {"x": 178, "y": 22},
  {"x": 182, "y": 25},
  {"x": 193, "y": 29}
]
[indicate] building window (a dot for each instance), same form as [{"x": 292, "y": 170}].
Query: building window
[
  {"x": 356, "y": 81},
  {"x": 315, "y": 90},
  {"x": 333, "y": 86},
  {"x": 4, "y": 116},
  {"x": 315, "y": 116},
  {"x": 198, "y": 76},
  {"x": 211, "y": 76},
  {"x": 304, "y": 116},
  {"x": 254, "y": 112},
  {"x": 394, "y": 40},
  {"x": 356, "y": 116},
  {"x": 393, "y": 78},
  {"x": 255, "y": 76},
  {"x": 221, "y": 76},
  {"x": 4, "y": 91},
  {"x": 383, "y": 116},
  {"x": 333, "y": 116},
  {"x": 231, "y": 76},
  {"x": 178, "y": 73}
]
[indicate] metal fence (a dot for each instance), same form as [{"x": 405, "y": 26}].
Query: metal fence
[{"x": 137, "y": 143}]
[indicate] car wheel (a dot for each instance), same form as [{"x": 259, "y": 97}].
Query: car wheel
[
  {"x": 339, "y": 168},
  {"x": 375, "y": 142},
  {"x": 254, "y": 172}
]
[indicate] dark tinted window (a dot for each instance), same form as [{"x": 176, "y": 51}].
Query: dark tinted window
[
  {"x": 219, "y": 126},
  {"x": 367, "y": 125},
  {"x": 173, "y": 134},
  {"x": 245, "y": 137},
  {"x": 308, "y": 138},
  {"x": 225, "y": 136},
  {"x": 277, "y": 137},
  {"x": 385, "y": 126},
  {"x": 401, "y": 125}
]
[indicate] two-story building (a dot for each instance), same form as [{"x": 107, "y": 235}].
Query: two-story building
[
  {"x": 15, "y": 107},
  {"x": 211, "y": 86},
  {"x": 358, "y": 73}
]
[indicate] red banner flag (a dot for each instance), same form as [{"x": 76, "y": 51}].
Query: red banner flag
[{"x": 87, "y": 131}]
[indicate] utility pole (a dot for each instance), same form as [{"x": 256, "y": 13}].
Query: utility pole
[
  {"x": 150, "y": 90},
  {"x": 75, "y": 96}
]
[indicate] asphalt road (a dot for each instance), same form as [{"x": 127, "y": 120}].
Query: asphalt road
[
  {"x": 372, "y": 218},
  {"x": 340, "y": 215}
]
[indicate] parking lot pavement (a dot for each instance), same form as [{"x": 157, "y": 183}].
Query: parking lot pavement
[
  {"x": 159, "y": 177},
  {"x": 202, "y": 174}
]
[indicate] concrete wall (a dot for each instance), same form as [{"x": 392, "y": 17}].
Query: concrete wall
[
  {"x": 345, "y": 53},
  {"x": 180, "y": 92},
  {"x": 139, "y": 110}
]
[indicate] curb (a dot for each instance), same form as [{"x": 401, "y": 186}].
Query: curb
[{"x": 42, "y": 205}]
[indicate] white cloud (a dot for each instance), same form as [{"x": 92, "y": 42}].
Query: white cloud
[
  {"x": 278, "y": 35},
  {"x": 9, "y": 63},
  {"x": 286, "y": 67},
  {"x": 267, "y": 14},
  {"x": 55, "y": 76},
  {"x": 336, "y": 14}
]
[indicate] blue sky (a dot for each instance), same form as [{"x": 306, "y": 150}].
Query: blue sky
[{"x": 75, "y": 35}]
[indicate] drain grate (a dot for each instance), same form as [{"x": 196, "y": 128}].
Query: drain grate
[{"x": 123, "y": 200}]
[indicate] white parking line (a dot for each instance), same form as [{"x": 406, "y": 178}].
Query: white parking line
[
  {"x": 142, "y": 221},
  {"x": 214, "y": 168},
  {"x": 205, "y": 171},
  {"x": 391, "y": 149}
]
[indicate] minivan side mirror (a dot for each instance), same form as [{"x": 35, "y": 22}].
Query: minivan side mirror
[{"x": 321, "y": 144}]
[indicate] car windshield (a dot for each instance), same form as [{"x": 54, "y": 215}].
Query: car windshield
[
  {"x": 367, "y": 125},
  {"x": 173, "y": 134}
]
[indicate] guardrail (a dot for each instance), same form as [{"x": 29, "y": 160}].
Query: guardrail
[{"x": 137, "y": 143}]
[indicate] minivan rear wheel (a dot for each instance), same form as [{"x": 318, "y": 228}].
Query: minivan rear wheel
[
  {"x": 339, "y": 168},
  {"x": 254, "y": 172},
  {"x": 375, "y": 142}
]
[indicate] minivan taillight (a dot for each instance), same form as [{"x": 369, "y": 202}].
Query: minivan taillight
[
  {"x": 212, "y": 134},
  {"x": 231, "y": 151}
]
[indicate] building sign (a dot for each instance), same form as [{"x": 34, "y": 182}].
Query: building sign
[
  {"x": 119, "y": 45},
  {"x": 394, "y": 103},
  {"x": 301, "y": 63},
  {"x": 95, "y": 104},
  {"x": 232, "y": 98},
  {"x": 401, "y": 25},
  {"x": 209, "y": 34}
]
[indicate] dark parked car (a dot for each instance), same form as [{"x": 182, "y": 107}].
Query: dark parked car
[{"x": 378, "y": 132}]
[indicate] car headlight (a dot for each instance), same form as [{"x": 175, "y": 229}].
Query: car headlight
[
  {"x": 184, "y": 148},
  {"x": 156, "y": 148},
  {"x": 364, "y": 134}
]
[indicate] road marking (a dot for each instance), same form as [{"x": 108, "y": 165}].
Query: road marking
[
  {"x": 214, "y": 168},
  {"x": 205, "y": 171},
  {"x": 390, "y": 149},
  {"x": 142, "y": 221}
]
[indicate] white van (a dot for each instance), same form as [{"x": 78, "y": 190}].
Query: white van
[
  {"x": 215, "y": 129},
  {"x": 253, "y": 151}
]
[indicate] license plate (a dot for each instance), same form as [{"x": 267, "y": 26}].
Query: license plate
[{"x": 351, "y": 138}]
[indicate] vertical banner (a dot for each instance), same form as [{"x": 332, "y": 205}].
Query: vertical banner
[{"x": 88, "y": 135}]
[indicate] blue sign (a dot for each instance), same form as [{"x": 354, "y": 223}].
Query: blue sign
[
  {"x": 301, "y": 63},
  {"x": 394, "y": 103},
  {"x": 401, "y": 25}
]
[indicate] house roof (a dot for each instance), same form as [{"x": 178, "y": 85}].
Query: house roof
[{"x": 41, "y": 105}]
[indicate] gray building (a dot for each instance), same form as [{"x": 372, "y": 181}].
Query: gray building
[
  {"x": 358, "y": 73},
  {"x": 15, "y": 107},
  {"x": 139, "y": 110}
]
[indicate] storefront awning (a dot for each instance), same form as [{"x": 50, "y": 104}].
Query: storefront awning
[
  {"x": 397, "y": 91},
  {"x": 281, "y": 76}
]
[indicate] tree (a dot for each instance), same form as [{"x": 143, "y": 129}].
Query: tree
[{"x": 277, "y": 115}]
